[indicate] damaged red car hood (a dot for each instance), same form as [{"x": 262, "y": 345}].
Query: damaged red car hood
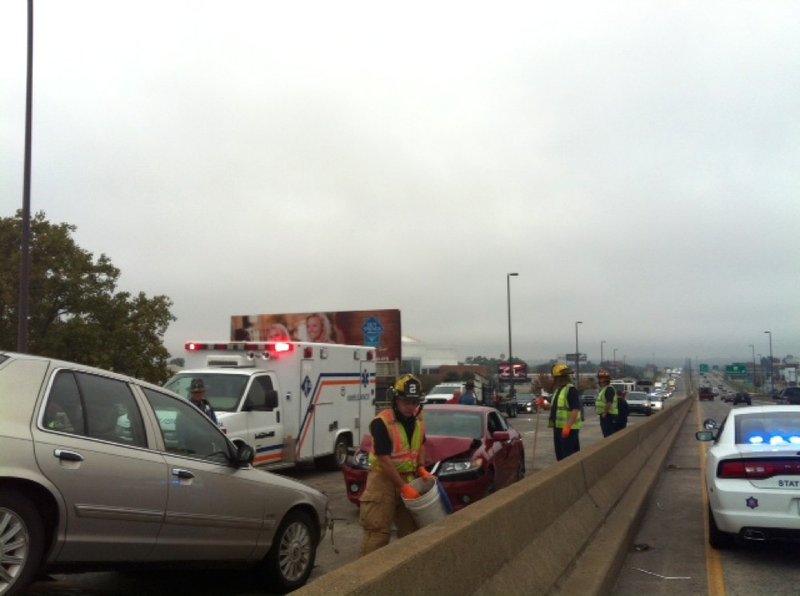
[{"x": 439, "y": 448}]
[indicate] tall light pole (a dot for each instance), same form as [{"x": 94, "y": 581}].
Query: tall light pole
[
  {"x": 771, "y": 377},
  {"x": 601, "y": 351},
  {"x": 510, "y": 356},
  {"x": 624, "y": 360},
  {"x": 615, "y": 359},
  {"x": 577, "y": 357},
  {"x": 752, "y": 347},
  {"x": 23, "y": 309}
]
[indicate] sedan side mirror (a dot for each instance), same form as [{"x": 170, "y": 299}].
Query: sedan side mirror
[{"x": 245, "y": 455}]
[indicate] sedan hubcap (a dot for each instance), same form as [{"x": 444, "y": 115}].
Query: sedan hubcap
[
  {"x": 295, "y": 552},
  {"x": 14, "y": 542}
]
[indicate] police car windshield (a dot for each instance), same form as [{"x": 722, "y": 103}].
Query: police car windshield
[{"x": 779, "y": 429}]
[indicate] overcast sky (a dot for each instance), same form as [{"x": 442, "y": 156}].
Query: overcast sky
[{"x": 637, "y": 163}]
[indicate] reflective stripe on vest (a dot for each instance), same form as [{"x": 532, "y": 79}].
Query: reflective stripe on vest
[
  {"x": 600, "y": 403},
  {"x": 404, "y": 454},
  {"x": 563, "y": 411}
]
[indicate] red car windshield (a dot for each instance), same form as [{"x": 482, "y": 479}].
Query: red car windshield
[{"x": 454, "y": 424}]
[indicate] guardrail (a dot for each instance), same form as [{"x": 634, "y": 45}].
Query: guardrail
[{"x": 564, "y": 529}]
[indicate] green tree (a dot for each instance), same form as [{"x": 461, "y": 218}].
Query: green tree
[{"x": 76, "y": 312}]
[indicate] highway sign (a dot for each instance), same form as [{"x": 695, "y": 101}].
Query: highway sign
[
  {"x": 736, "y": 369},
  {"x": 574, "y": 357}
]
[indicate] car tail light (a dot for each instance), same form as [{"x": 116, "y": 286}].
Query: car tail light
[{"x": 757, "y": 469}]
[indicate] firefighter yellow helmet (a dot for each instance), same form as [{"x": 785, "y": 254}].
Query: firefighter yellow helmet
[
  {"x": 408, "y": 387},
  {"x": 562, "y": 370}
]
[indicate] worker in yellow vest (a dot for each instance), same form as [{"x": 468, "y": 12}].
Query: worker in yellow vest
[
  {"x": 566, "y": 417},
  {"x": 606, "y": 403},
  {"x": 397, "y": 458}
]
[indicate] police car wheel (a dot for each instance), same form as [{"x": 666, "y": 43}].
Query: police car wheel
[
  {"x": 291, "y": 558},
  {"x": 716, "y": 537}
]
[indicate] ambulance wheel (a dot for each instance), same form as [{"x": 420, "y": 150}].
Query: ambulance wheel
[
  {"x": 290, "y": 560},
  {"x": 339, "y": 456}
]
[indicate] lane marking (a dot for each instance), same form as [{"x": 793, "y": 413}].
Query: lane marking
[{"x": 714, "y": 571}]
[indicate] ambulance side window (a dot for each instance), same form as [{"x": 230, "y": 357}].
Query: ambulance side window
[{"x": 261, "y": 396}]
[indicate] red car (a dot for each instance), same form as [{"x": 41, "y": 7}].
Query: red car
[
  {"x": 476, "y": 450},
  {"x": 705, "y": 393}
]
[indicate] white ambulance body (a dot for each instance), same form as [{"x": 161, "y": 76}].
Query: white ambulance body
[{"x": 290, "y": 401}]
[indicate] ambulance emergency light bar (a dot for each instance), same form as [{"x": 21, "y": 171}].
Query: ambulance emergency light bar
[
  {"x": 267, "y": 348},
  {"x": 276, "y": 347}
]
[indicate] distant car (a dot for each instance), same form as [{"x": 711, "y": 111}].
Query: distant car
[
  {"x": 99, "y": 471},
  {"x": 790, "y": 395},
  {"x": 656, "y": 402},
  {"x": 639, "y": 403},
  {"x": 477, "y": 450},
  {"x": 753, "y": 475},
  {"x": 741, "y": 397},
  {"x": 705, "y": 394},
  {"x": 588, "y": 397}
]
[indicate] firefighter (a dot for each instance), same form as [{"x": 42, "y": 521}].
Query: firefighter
[
  {"x": 397, "y": 458},
  {"x": 606, "y": 404},
  {"x": 566, "y": 418}
]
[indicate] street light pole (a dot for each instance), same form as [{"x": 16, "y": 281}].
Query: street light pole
[
  {"x": 510, "y": 355},
  {"x": 615, "y": 359},
  {"x": 752, "y": 347},
  {"x": 601, "y": 352},
  {"x": 577, "y": 357},
  {"x": 771, "y": 377}
]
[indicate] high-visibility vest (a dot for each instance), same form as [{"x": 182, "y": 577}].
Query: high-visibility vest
[
  {"x": 563, "y": 411},
  {"x": 600, "y": 402},
  {"x": 404, "y": 452}
]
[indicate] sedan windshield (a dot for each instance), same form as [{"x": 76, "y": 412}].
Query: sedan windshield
[{"x": 454, "y": 424}]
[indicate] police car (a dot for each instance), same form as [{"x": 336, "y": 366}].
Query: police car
[{"x": 753, "y": 475}]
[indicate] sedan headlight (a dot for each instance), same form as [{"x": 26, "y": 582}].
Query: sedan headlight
[
  {"x": 360, "y": 459},
  {"x": 468, "y": 468}
]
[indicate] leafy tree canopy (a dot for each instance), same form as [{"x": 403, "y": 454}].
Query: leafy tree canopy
[{"x": 76, "y": 312}]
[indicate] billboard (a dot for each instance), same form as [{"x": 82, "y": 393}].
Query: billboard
[
  {"x": 516, "y": 372},
  {"x": 377, "y": 328}
]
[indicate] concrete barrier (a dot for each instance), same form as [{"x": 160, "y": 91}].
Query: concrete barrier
[{"x": 564, "y": 529}]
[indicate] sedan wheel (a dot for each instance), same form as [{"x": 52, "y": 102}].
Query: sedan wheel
[
  {"x": 291, "y": 558},
  {"x": 21, "y": 543}
]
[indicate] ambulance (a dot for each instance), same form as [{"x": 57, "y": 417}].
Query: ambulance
[{"x": 291, "y": 401}]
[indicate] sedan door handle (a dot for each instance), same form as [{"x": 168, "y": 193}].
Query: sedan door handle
[
  {"x": 180, "y": 473},
  {"x": 265, "y": 435},
  {"x": 65, "y": 455}
]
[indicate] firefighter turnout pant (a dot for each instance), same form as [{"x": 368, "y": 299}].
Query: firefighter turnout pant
[{"x": 382, "y": 505}]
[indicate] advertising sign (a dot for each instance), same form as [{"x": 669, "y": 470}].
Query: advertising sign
[
  {"x": 377, "y": 328},
  {"x": 516, "y": 372}
]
